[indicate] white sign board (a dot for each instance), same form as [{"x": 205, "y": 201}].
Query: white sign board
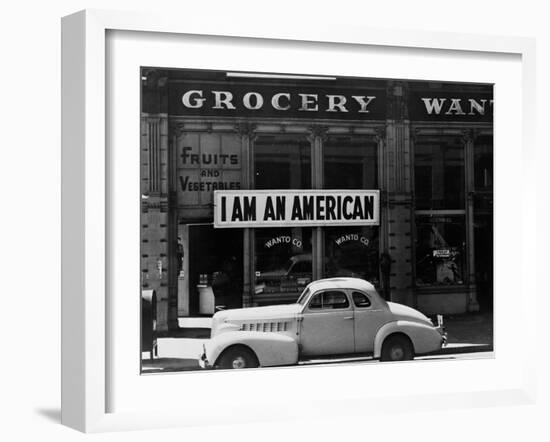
[{"x": 291, "y": 208}]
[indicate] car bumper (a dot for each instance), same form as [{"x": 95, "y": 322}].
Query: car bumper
[
  {"x": 203, "y": 359},
  {"x": 443, "y": 334}
]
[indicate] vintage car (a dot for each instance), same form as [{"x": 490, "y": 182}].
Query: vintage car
[{"x": 335, "y": 316}]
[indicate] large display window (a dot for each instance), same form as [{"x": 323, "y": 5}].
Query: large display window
[
  {"x": 283, "y": 261},
  {"x": 351, "y": 162},
  {"x": 352, "y": 251},
  {"x": 283, "y": 257},
  {"x": 440, "y": 187},
  {"x": 282, "y": 162},
  {"x": 439, "y": 173},
  {"x": 440, "y": 250}
]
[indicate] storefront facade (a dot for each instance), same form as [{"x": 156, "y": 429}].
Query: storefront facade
[{"x": 411, "y": 159}]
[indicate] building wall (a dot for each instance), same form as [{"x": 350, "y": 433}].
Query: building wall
[
  {"x": 162, "y": 206},
  {"x": 155, "y": 215}
]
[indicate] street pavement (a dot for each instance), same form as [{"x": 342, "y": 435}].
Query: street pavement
[{"x": 469, "y": 336}]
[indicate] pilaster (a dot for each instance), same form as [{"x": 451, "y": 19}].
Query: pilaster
[
  {"x": 154, "y": 212},
  {"x": 317, "y": 136},
  {"x": 248, "y": 135},
  {"x": 468, "y": 139},
  {"x": 398, "y": 195}
]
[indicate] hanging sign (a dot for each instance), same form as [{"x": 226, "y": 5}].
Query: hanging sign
[{"x": 292, "y": 208}]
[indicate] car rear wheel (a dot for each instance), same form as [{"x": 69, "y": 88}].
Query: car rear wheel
[
  {"x": 397, "y": 348},
  {"x": 238, "y": 357}
]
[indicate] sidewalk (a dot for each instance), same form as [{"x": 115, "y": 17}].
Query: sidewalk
[
  {"x": 469, "y": 332},
  {"x": 472, "y": 332},
  {"x": 180, "y": 350}
]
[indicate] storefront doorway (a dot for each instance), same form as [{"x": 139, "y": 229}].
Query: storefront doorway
[{"x": 212, "y": 269}]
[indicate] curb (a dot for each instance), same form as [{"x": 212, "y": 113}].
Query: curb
[{"x": 452, "y": 349}]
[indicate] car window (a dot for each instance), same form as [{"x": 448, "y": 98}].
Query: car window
[
  {"x": 316, "y": 302},
  {"x": 329, "y": 300},
  {"x": 303, "y": 296},
  {"x": 360, "y": 299}
]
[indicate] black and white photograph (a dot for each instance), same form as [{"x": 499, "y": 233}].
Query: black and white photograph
[{"x": 298, "y": 220}]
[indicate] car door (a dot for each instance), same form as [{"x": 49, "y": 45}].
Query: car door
[
  {"x": 327, "y": 324},
  {"x": 369, "y": 316}
]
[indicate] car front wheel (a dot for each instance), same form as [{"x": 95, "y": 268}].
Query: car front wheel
[
  {"x": 237, "y": 357},
  {"x": 397, "y": 348}
]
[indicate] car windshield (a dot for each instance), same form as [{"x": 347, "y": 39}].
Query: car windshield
[{"x": 303, "y": 296}]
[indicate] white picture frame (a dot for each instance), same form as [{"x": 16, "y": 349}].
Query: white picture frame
[{"x": 87, "y": 209}]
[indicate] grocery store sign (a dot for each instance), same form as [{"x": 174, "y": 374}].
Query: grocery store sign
[
  {"x": 292, "y": 208},
  {"x": 230, "y": 100}
]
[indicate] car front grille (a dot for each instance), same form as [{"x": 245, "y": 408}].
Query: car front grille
[{"x": 266, "y": 326}]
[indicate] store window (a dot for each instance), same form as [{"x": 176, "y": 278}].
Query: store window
[
  {"x": 440, "y": 240},
  {"x": 352, "y": 251},
  {"x": 282, "y": 162},
  {"x": 283, "y": 256},
  {"x": 283, "y": 261},
  {"x": 439, "y": 173},
  {"x": 351, "y": 162},
  {"x": 440, "y": 250}
]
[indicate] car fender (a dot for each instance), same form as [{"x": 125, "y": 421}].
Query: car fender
[
  {"x": 424, "y": 337},
  {"x": 271, "y": 349}
]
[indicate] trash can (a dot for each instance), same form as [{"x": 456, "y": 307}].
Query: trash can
[
  {"x": 206, "y": 299},
  {"x": 149, "y": 322}
]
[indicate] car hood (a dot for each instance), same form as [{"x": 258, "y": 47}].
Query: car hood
[
  {"x": 259, "y": 313},
  {"x": 403, "y": 312}
]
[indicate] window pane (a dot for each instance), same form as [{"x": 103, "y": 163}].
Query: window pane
[
  {"x": 282, "y": 162},
  {"x": 316, "y": 302},
  {"x": 440, "y": 250},
  {"x": 350, "y": 162},
  {"x": 334, "y": 299},
  {"x": 439, "y": 173},
  {"x": 352, "y": 251},
  {"x": 283, "y": 260},
  {"x": 329, "y": 300},
  {"x": 360, "y": 299},
  {"x": 483, "y": 163}
]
